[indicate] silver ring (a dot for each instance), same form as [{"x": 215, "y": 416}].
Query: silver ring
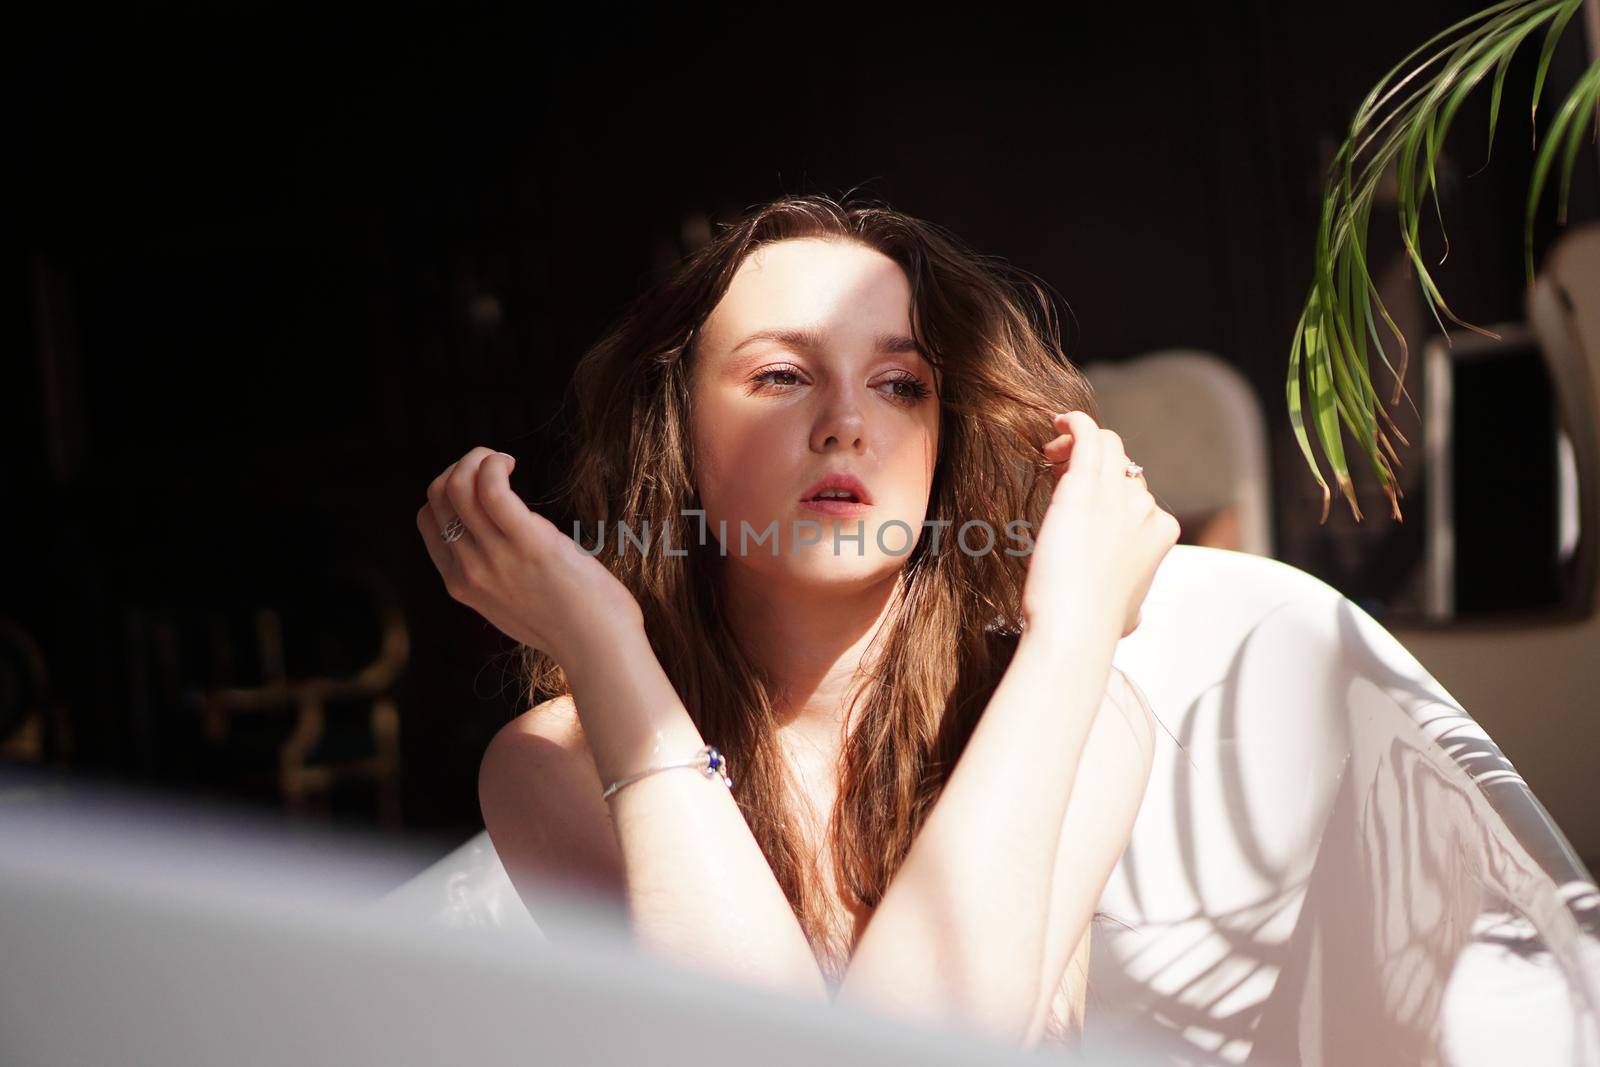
[
  {"x": 453, "y": 531},
  {"x": 1133, "y": 470}
]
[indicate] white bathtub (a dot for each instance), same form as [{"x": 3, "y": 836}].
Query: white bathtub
[{"x": 1339, "y": 867}]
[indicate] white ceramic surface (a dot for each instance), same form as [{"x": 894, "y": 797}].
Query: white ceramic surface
[{"x": 1337, "y": 866}]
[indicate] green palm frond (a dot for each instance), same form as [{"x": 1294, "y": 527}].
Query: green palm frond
[{"x": 1338, "y": 320}]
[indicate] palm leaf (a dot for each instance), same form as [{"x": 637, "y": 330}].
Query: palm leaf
[
  {"x": 1584, "y": 95},
  {"x": 1329, "y": 352}
]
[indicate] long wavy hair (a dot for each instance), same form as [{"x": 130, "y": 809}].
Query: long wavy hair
[{"x": 993, "y": 333}]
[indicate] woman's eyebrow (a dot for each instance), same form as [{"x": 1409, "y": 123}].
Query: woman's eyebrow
[{"x": 804, "y": 338}]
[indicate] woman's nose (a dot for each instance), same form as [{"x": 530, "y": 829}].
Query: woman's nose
[{"x": 838, "y": 425}]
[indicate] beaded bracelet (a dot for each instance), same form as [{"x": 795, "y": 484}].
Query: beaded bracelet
[{"x": 708, "y": 760}]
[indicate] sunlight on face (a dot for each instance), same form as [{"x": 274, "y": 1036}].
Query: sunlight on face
[{"x": 774, "y": 414}]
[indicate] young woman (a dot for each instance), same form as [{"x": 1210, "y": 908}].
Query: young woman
[{"x": 934, "y": 766}]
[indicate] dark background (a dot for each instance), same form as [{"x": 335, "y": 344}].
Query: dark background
[{"x": 268, "y": 269}]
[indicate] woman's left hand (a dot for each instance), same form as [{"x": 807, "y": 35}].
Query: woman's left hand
[{"x": 1103, "y": 535}]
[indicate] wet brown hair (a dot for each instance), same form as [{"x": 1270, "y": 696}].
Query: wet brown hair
[{"x": 992, "y": 333}]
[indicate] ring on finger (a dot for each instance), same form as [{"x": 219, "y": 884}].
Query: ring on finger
[{"x": 453, "y": 531}]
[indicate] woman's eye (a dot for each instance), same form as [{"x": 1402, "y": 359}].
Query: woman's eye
[
  {"x": 913, "y": 388},
  {"x": 766, "y": 376}
]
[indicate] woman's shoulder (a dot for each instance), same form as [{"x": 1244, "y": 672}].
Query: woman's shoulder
[
  {"x": 556, "y": 718},
  {"x": 547, "y": 738},
  {"x": 539, "y": 791},
  {"x": 1127, "y": 691},
  {"x": 1124, "y": 693}
]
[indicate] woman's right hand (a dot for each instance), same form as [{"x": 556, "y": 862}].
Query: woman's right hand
[
  {"x": 1102, "y": 537},
  {"x": 514, "y": 567}
]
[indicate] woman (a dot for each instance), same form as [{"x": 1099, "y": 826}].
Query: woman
[{"x": 845, "y": 663}]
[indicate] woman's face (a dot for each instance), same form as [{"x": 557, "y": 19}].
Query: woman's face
[{"x": 805, "y": 369}]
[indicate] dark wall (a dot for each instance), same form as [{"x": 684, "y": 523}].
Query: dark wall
[{"x": 267, "y": 271}]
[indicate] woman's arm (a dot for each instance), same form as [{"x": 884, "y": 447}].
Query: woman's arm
[
  {"x": 699, "y": 888},
  {"x": 961, "y": 931},
  {"x": 1107, "y": 792}
]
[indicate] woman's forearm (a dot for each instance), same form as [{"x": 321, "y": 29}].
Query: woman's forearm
[
  {"x": 699, "y": 888},
  {"x": 961, "y": 930},
  {"x": 1107, "y": 793}
]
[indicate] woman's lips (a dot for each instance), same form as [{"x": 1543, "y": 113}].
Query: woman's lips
[{"x": 836, "y": 506}]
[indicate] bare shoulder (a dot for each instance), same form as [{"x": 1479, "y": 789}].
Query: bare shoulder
[
  {"x": 545, "y": 733},
  {"x": 1124, "y": 694},
  {"x": 1122, "y": 688},
  {"x": 540, "y": 795},
  {"x": 555, "y": 719}
]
